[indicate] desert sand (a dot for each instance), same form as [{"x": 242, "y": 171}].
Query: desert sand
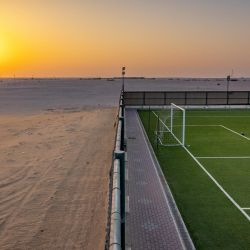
[
  {"x": 54, "y": 178},
  {"x": 32, "y": 95}
]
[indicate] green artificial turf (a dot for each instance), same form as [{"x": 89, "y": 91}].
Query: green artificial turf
[
  {"x": 233, "y": 175},
  {"x": 211, "y": 218}
]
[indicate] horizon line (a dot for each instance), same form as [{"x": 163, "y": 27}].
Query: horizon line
[{"x": 119, "y": 77}]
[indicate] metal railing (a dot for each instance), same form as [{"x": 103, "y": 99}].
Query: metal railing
[
  {"x": 206, "y": 98},
  {"x": 115, "y": 241},
  {"x": 117, "y": 213}
]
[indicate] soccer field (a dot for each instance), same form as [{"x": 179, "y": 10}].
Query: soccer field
[{"x": 210, "y": 175}]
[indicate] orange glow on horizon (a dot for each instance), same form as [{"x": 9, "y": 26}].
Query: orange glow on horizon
[{"x": 95, "y": 38}]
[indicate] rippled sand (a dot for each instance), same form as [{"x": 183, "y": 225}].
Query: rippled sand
[{"x": 54, "y": 175}]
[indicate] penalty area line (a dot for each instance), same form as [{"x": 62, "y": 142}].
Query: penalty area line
[
  {"x": 222, "y": 157},
  {"x": 218, "y": 185},
  {"x": 197, "y": 125},
  {"x": 220, "y": 116},
  {"x": 247, "y": 138},
  {"x": 213, "y": 179}
]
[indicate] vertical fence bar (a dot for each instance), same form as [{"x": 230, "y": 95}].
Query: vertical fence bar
[{"x": 227, "y": 97}]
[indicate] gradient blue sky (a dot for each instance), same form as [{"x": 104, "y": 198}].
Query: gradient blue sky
[{"x": 152, "y": 38}]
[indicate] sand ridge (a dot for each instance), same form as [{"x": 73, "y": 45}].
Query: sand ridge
[{"x": 54, "y": 176}]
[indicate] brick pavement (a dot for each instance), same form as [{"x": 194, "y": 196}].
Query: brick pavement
[{"x": 150, "y": 220}]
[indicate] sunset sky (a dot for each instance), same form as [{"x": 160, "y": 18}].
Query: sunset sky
[{"x": 161, "y": 38}]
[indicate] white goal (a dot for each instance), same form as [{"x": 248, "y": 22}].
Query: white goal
[{"x": 170, "y": 126}]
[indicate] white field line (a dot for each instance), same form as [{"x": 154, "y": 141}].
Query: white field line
[
  {"x": 214, "y": 180},
  {"x": 246, "y": 208},
  {"x": 222, "y": 157},
  {"x": 162, "y": 188},
  {"x": 221, "y": 116},
  {"x": 162, "y": 122},
  {"x": 173, "y": 145},
  {"x": 196, "y": 125},
  {"x": 247, "y": 138},
  {"x": 235, "y": 132},
  {"x": 202, "y": 125},
  {"x": 167, "y": 128}
]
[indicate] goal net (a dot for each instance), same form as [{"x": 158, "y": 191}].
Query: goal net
[{"x": 170, "y": 126}]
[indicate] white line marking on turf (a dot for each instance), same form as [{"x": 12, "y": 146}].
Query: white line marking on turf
[
  {"x": 246, "y": 208},
  {"x": 212, "y": 178},
  {"x": 222, "y": 157},
  {"x": 162, "y": 188},
  {"x": 221, "y": 116},
  {"x": 202, "y": 125},
  {"x": 198, "y": 125},
  {"x": 235, "y": 132}
]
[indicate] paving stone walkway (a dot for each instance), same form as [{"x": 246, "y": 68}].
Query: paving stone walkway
[{"x": 150, "y": 220}]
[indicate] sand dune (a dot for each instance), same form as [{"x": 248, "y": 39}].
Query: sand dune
[{"x": 54, "y": 175}]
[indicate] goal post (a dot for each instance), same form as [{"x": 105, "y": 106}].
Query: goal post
[
  {"x": 171, "y": 125},
  {"x": 175, "y": 107}
]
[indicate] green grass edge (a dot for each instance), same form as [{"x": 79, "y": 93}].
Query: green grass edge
[{"x": 211, "y": 219}]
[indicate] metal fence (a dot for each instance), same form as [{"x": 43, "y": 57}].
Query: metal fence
[
  {"x": 115, "y": 237},
  {"x": 187, "y": 98}
]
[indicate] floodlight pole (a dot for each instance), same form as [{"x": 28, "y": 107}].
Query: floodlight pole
[
  {"x": 123, "y": 76},
  {"x": 228, "y": 81}
]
